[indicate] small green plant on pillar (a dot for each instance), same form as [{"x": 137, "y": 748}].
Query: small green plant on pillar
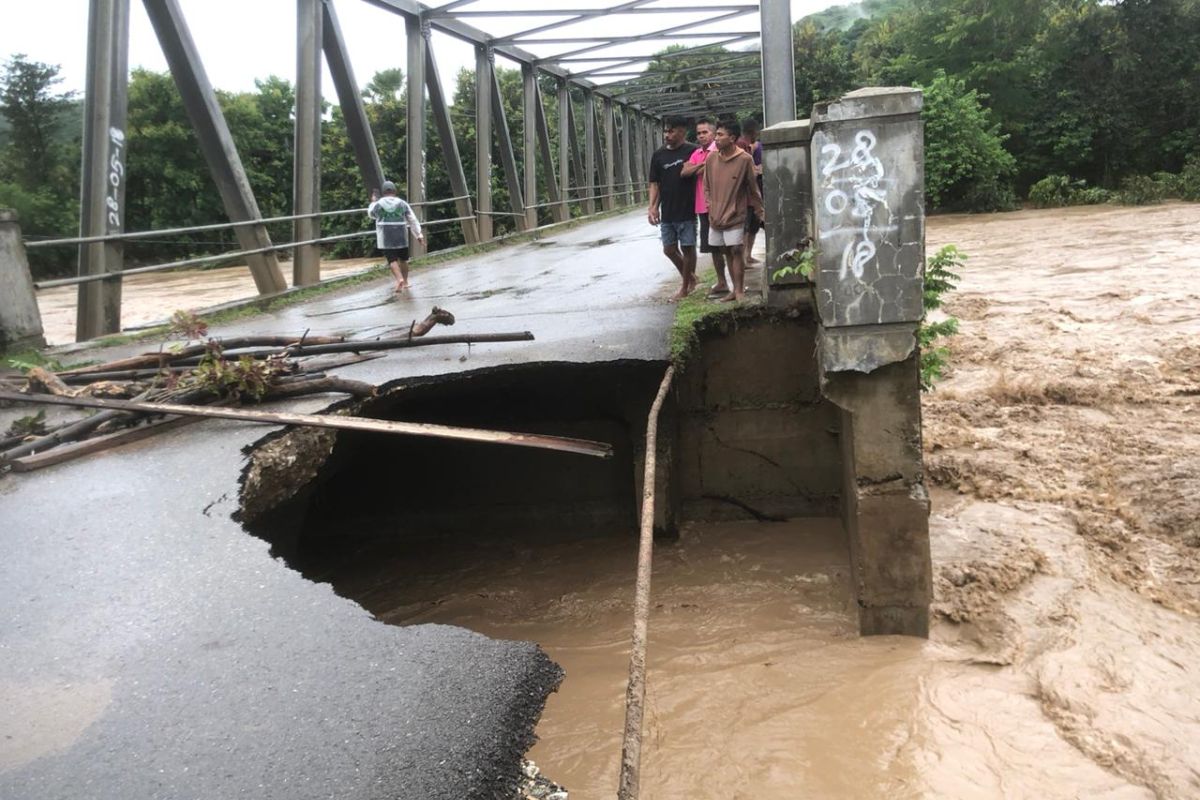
[
  {"x": 941, "y": 276},
  {"x": 800, "y": 260}
]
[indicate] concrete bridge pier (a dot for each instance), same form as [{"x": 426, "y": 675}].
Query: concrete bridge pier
[
  {"x": 850, "y": 180},
  {"x": 20, "y": 319}
]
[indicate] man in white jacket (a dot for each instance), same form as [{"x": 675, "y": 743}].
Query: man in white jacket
[{"x": 393, "y": 220}]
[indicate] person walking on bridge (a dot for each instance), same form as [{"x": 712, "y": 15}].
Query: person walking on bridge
[
  {"x": 705, "y": 131},
  {"x": 732, "y": 192},
  {"x": 673, "y": 202},
  {"x": 394, "y": 218}
]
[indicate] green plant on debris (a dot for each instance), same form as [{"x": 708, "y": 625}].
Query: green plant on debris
[
  {"x": 243, "y": 379},
  {"x": 941, "y": 276}
]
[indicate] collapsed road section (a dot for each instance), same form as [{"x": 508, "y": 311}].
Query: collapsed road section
[{"x": 153, "y": 650}]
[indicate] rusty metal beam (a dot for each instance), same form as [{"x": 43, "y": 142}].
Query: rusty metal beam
[{"x": 563, "y": 444}]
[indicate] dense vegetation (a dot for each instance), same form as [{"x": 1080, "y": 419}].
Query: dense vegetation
[
  {"x": 1060, "y": 101},
  {"x": 1099, "y": 90}
]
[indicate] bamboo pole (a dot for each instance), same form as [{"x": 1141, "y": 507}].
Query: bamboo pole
[
  {"x": 167, "y": 357},
  {"x": 635, "y": 692},
  {"x": 563, "y": 444},
  {"x": 369, "y": 345}
]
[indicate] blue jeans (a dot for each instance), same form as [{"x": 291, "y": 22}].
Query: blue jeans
[{"x": 681, "y": 233}]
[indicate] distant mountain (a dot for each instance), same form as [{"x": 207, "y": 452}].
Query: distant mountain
[{"x": 840, "y": 18}]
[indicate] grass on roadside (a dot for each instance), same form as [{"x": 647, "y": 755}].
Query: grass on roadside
[{"x": 691, "y": 309}]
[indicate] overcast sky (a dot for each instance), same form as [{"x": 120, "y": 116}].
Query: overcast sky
[{"x": 241, "y": 40}]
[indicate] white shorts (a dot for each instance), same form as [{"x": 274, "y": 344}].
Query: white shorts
[{"x": 731, "y": 237}]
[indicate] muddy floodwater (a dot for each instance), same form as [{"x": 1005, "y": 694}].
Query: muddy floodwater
[
  {"x": 151, "y": 298},
  {"x": 759, "y": 685}
]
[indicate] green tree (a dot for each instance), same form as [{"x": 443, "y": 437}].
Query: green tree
[
  {"x": 33, "y": 111},
  {"x": 39, "y": 164},
  {"x": 966, "y": 165},
  {"x": 823, "y": 67}
]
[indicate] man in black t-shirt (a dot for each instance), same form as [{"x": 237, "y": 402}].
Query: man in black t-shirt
[{"x": 673, "y": 202}]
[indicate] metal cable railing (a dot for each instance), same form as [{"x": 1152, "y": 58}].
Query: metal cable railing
[
  {"x": 190, "y": 262},
  {"x": 29, "y": 245},
  {"x": 238, "y": 254}
]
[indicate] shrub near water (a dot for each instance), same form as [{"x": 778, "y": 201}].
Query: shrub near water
[
  {"x": 1141, "y": 190},
  {"x": 941, "y": 277},
  {"x": 1055, "y": 191}
]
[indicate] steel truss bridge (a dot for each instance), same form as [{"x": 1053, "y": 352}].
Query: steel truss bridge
[{"x": 610, "y": 123}]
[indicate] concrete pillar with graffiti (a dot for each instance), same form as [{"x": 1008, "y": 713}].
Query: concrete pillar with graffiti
[{"x": 867, "y": 172}]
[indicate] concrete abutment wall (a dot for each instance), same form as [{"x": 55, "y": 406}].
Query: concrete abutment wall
[{"x": 754, "y": 431}]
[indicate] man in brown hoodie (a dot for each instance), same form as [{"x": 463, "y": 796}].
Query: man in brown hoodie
[{"x": 731, "y": 191}]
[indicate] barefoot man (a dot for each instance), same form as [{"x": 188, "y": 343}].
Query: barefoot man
[
  {"x": 732, "y": 192},
  {"x": 705, "y": 131},
  {"x": 393, "y": 220},
  {"x": 673, "y": 202}
]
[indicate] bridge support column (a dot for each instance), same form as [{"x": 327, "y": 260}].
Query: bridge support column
[
  {"x": 564, "y": 150},
  {"x": 306, "y": 169},
  {"x": 778, "y": 71},
  {"x": 610, "y": 156},
  {"x": 530, "y": 144},
  {"x": 415, "y": 163},
  {"x": 485, "y": 69},
  {"x": 588, "y": 184},
  {"x": 787, "y": 195},
  {"x": 868, "y": 204},
  {"x": 20, "y": 319},
  {"x": 102, "y": 203}
]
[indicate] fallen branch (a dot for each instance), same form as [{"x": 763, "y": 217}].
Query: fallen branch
[
  {"x": 439, "y": 316},
  {"x": 559, "y": 443},
  {"x": 42, "y": 380},
  {"x": 76, "y": 379},
  {"x": 369, "y": 345},
  {"x": 69, "y": 452},
  {"x": 318, "y": 385},
  {"x": 164, "y": 357}
]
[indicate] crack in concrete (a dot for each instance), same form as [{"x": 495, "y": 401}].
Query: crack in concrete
[{"x": 750, "y": 452}]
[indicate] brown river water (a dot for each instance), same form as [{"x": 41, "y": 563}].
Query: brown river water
[
  {"x": 759, "y": 686},
  {"x": 1063, "y": 456}
]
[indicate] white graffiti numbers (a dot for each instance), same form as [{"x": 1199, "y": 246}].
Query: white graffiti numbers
[
  {"x": 116, "y": 174},
  {"x": 862, "y": 173}
]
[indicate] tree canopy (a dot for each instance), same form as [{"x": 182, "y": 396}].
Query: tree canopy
[{"x": 1098, "y": 91}]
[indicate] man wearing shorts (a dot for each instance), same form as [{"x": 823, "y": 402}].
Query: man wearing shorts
[
  {"x": 732, "y": 192},
  {"x": 394, "y": 218},
  {"x": 750, "y": 143},
  {"x": 695, "y": 166},
  {"x": 673, "y": 202}
]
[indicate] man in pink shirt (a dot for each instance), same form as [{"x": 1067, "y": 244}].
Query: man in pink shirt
[{"x": 705, "y": 132}]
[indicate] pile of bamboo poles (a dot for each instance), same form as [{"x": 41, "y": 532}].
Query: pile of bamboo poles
[{"x": 134, "y": 394}]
